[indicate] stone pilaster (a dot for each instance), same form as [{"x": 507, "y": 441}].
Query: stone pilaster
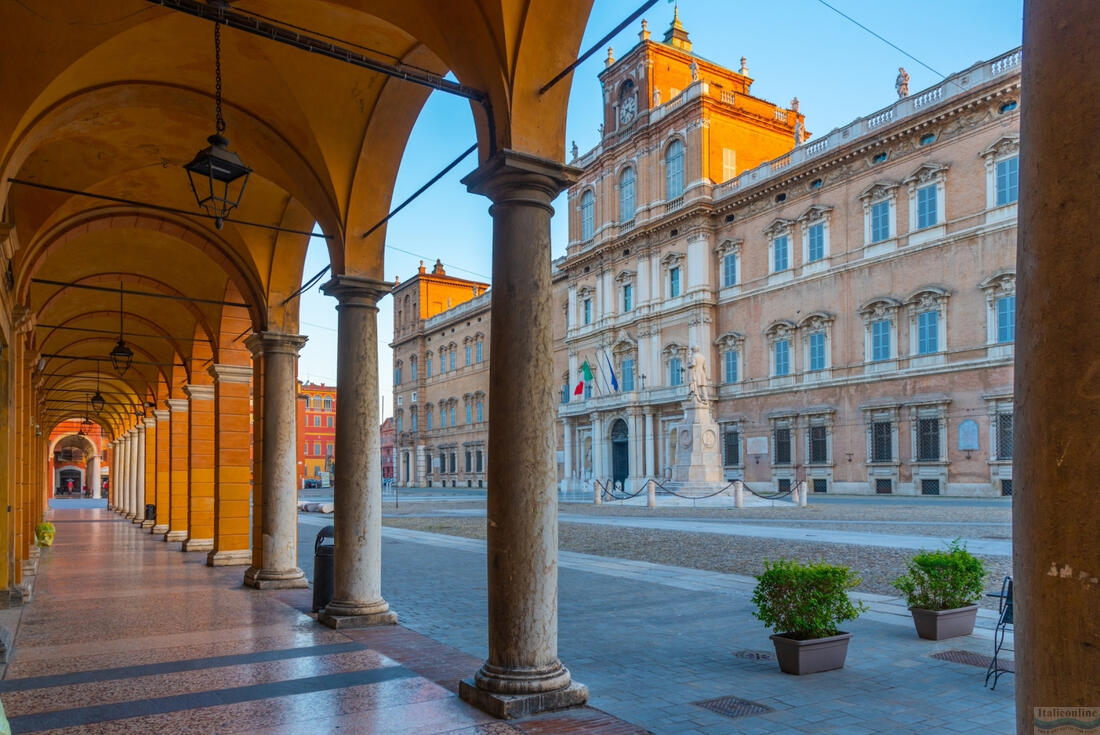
[
  {"x": 279, "y": 506},
  {"x": 522, "y": 673},
  {"x": 357, "y": 486},
  {"x": 128, "y": 463},
  {"x": 1055, "y": 514},
  {"x": 232, "y": 471},
  {"x": 200, "y": 468},
  {"x": 139, "y": 472},
  {"x": 150, "y": 470},
  {"x": 177, "y": 473},
  {"x": 164, "y": 470}
]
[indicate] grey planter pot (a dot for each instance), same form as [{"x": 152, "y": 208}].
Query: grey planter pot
[
  {"x": 810, "y": 656},
  {"x": 935, "y": 625}
]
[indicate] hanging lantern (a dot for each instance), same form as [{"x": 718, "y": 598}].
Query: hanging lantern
[
  {"x": 98, "y": 402},
  {"x": 121, "y": 356},
  {"x": 217, "y": 175}
]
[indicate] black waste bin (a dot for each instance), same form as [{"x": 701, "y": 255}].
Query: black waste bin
[
  {"x": 323, "y": 558},
  {"x": 150, "y": 512}
]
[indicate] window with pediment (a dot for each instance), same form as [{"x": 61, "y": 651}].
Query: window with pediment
[
  {"x": 729, "y": 262},
  {"x": 588, "y": 214},
  {"x": 880, "y": 330},
  {"x": 1000, "y": 312},
  {"x": 927, "y": 196},
  {"x": 880, "y": 216},
  {"x": 730, "y": 348},
  {"x": 814, "y": 224},
  {"x": 673, "y": 355},
  {"x": 778, "y": 234},
  {"x": 625, "y": 354},
  {"x": 673, "y": 265},
  {"x": 815, "y": 331},
  {"x": 1002, "y": 171},
  {"x": 927, "y": 326},
  {"x": 780, "y": 336},
  {"x": 625, "y": 281}
]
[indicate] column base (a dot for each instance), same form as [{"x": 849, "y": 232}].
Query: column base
[
  {"x": 511, "y": 706},
  {"x": 275, "y": 579},
  {"x": 175, "y": 536},
  {"x": 370, "y": 620},
  {"x": 198, "y": 544},
  {"x": 148, "y": 524},
  {"x": 157, "y": 530},
  {"x": 235, "y": 558},
  {"x": 131, "y": 516},
  {"x": 137, "y": 520}
]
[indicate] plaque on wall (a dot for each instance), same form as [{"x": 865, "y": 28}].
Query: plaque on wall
[{"x": 968, "y": 436}]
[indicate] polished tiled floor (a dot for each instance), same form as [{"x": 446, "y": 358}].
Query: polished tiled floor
[{"x": 126, "y": 634}]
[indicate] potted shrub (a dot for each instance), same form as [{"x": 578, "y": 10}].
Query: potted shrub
[
  {"x": 43, "y": 534},
  {"x": 941, "y": 589},
  {"x": 804, "y": 604}
]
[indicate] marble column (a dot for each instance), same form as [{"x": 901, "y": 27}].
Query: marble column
[
  {"x": 1055, "y": 513},
  {"x": 118, "y": 479},
  {"x": 278, "y": 540},
  {"x": 93, "y": 475},
  {"x": 523, "y": 673},
  {"x": 112, "y": 474},
  {"x": 232, "y": 472},
  {"x": 567, "y": 447},
  {"x": 650, "y": 468},
  {"x": 139, "y": 472},
  {"x": 177, "y": 473},
  {"x": 128, "y": 464},
  {"x": 597, "y": 458},
  {"x": 149, "y": 471},
  {"x": 357, "y": 486},
  {"x": 164, "y": 471},
  {"x": 200, "y": 468}
]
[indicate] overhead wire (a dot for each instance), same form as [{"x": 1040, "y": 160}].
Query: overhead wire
[{"x": 888, "y": 42}]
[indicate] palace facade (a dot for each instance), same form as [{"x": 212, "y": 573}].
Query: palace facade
[
  {"x": 316, "y": 433},
  {"x": 853, "y": 292}
]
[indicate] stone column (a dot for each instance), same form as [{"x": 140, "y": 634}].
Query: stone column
[
  {"x": 522, "y": 673},
  {"x": 567, "y": 447},
  {"x": 634, "y": 475},
  {"x": 112, "y": 476},
  {"x": 93, "y": 475},
  {"x": 231, "y": 465},
  {"x": 128, "y": 464},
  {"x": 279, "y": 505},
  {"x": 650, "y": 468},
  {"x": 164, "y": 471},
  {"x": 357, "y": 487},
  {"x": 139, "y": 472},
  {"x": 1057, "y": 393},
  {"x": 119, "y": 480},
  {"x": 177, "y": 473},
  {"x": 149, "y": 471},
  {"x": 597, "y": 458},
  {"x": 200, "y": 468}
]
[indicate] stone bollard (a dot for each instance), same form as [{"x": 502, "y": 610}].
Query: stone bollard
[
  {"x": 738, "y": 495},
  {"x": 651, "y": 496},
  {"x": 597, "y": 492},
  {"x": 803, "y": 497}
]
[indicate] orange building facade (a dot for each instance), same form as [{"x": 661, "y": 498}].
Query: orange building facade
[{"x": 316, "y": 434}]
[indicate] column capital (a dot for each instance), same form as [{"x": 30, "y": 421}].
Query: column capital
[
  {"x": 356, "y": 290},
  {"x": 199, "y": 392},
  {"x": 260, "y": 343},
  {"x": 139, "y": 427},
  {"x": 512, "y": 176},
  {"x": 230, "y": 373},
  {"x": 176, "y": 405},
  {"x": 151, "y": 423},
  {"x": 161, "y": 414}
]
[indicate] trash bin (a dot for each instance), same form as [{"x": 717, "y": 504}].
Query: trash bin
[
  {"x": 323, "y": 558},
  {"x": 150, "y": 512}
]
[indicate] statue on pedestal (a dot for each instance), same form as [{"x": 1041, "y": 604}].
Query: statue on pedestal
[
  {"x": 697, "y": 376},
  {"x": 901, "y": 84}
]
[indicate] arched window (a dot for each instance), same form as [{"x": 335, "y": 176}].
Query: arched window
[
  {"x": 588, "y": 207},
  {"x": 674, "y": 170},
  {"x": 626, "y": 195}
]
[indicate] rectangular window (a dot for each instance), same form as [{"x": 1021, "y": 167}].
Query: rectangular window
[
  {"x": 928, "y": 440},
  {"x": 330, "y": 422},
  {"x": 729, "y": 365},
  {"x": 926, "y": 206},
  {"x": 628, "y": 297},
  {"x": 928, "y": 332},
  {"x": 731, "y": 448},
  {"x": 479, "y": 460},
  {"x": 305, "y": 450},
  {"x": 782, "y": 358},
  {"x": 628, "y": 375},
  {"x": 428, "y": 420},
  {"x": 882, "y": 441},
  {"x": 467, "y": 354},
  {"x": 781, "y": 259},
  {"x": 1008, "y": 181},
  {"x": 880, "y": 340},
  {"x": 1006, "y": 319},
  {"x": 675, "y": 372},
  {"x": 317, "y": 449},
  {"x": 884, "y": 486},
  {"x": 817, "y": 351},
  {"x": 413, "y": 422},
  {"x": 480, "y": 411},
  {"x": 452, "y": 365},
  {"x": 821, "y": 485},
  {"x": 816, "y": 237},
  {"x": 454, "y": 410},
  {"x": 782, "y": 441},
  {"x": 673, "y": 282},
  {"x": 1004, "y": 436},
  {"x": 428, "y": 367},
  {"x": 397, "y": 376},
  {"x": 479, "y": 351},
  {"x": 729, "y": 269},
  {"x": 880, "y": 221},
  {"x": 452, "y": 462},
  {"x": 588, "y": 389},
  {"x": 412, "y": 369},
  {"x": 929, "y": 487},
  {"x": 819, "y": 445},
  {"x": 428, "y": 459},
  {"x": 729, "y": 164},
  {"x": 588, "y": 311},
  {"x": 469, "y": 461},
  {"x": 399, "y": 425},
  {"x": 469, "y": 413}
]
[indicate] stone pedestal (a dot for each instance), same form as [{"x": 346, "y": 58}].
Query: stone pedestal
[
  {"x": 523, "y": 673},
  {"x": 698, "y": 454}
]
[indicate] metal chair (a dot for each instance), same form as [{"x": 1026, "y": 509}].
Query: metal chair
[{"x": 1004, "y": 622}]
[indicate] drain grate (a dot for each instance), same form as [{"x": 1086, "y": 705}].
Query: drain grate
[
  {"x": 734, "y": 707},
  {"x": 749, "y": 655},
  {"x": 969, "y": 658}
]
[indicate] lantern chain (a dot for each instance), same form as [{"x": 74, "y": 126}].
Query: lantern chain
[{"x": 220, "y": 123}]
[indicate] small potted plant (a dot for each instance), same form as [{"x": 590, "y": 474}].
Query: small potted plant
[
  {"x": 43, "y": 534},
  {"x": 804, "y": 604},
  {"x": 941, "y": 589}
]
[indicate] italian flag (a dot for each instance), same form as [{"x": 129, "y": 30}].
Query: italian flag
[{"x": 586, "y": 377}]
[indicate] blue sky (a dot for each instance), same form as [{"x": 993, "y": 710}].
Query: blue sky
[{"x": 798, "y": 48}]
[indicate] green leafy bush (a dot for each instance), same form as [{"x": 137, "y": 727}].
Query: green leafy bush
[
  {"x": 943, "y": 580},
  {"x": 805, "y": 601}
]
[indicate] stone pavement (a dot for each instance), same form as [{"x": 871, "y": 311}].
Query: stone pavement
[
  {"x": 651, "y": 641},
  {"x": 127, "y": 635}
]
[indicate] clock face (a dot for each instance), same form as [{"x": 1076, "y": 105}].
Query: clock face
[{"x": 628, "y": 105}]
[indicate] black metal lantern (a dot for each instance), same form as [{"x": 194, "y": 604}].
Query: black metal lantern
[
  {"x": 217, "y": 175},
  {"x": 121, "y": 356},
  {"x": 98, "y": 402}
]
